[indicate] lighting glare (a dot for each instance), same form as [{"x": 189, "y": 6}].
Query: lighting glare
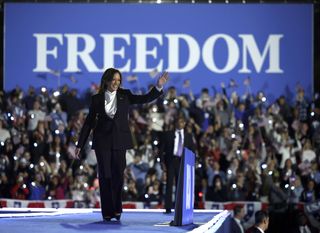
[
  {"x": 155, "y": 142},
  {"x": 264, "y": 166},
  {"x": 41, "y": 164},
  {"x": 56, "y": 93}
]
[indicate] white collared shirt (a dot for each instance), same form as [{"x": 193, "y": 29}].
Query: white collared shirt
[
  {"x": 176, "y": 140},
  {"x": 110, "y": 103},
  {"x": 239, "y": 224},
  {"x": 304, "y": 229},
  {"x": 260, "y": 229}
]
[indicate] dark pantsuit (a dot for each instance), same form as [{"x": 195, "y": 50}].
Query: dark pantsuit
[
  {"x": 111, "y": 187},
  {"x": 173, "y": 169},
  {"x": 111, "y": 139}
]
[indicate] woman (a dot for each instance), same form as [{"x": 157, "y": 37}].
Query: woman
[{"x": 108, "y": 117}]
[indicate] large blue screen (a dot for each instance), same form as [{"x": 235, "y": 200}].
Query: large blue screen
[{"x": 56, "y": 44}]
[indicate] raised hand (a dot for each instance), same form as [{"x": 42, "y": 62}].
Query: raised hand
[
  {"x": 162, "y": 79},
  {"x": 76, "y": 153}
]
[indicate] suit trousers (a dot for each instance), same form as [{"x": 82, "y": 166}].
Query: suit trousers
[
  {"x": 173, "y": 168},
  {"x": 110, "y": 183}
]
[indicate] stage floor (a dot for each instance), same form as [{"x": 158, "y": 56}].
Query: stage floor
[{"x": 14, "y": 220}]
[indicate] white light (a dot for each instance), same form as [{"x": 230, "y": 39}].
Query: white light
[
  {"x": 158, "y": 160},
  {"x": 2, "y": 143},
  {"x": 264, "y": 99},
  {"x": 12, "y": 118},
  {"x": 234, "y": 186},
  {"x": 209, "y": 1},
  {"x": 15, "y": 157},
  {"x": 125, "y": 188},
  {"x": 32, "y": 116},
  {"x": 175, "y": 101},
  {"x": 56, "y": 93},
  {"x": 165, "y": 102},
  {"x": 155, "y": 142},
  {"x": 85, "y": 185},
  {"x": 270, "y": 122},
  {"x": 56, "y": 131},
  {"x": 227, "y": 1},
  {"x": 41, "y": 164},
  {"x": 158, "y": 1},
  {"x": 229, "y": 172},
  {"x": 90, "y": 143},
  {"x": 154, "y": 109},
  {"x": 292, "y": 188},
  {"x": 199, "y": 165},
  {"x": 58, "y": 155},
  {"x": 43, "y": 89},
  {"x": 264, "y": 166},
  {"x": 243, "y": 1},
  {"x": 49, "y": 198},
  {"x": 31, "y": 165},
  {"x": 241, "y": 125},
  {"x": 24, "y": 186},
  {"x": 154, "y": 120},
  {"x": 192, "y": 1},
  {"x": 238, "y": 152},
  {"x": 81, "y": 167},
  {"x": 286, "y": 186},
  {"x": 9, "y": 114},
  {"x": 312, "y": 113},
  {"x": 76, "y": 143},
  {"x": 146, "y": 196},
  {"x": 33, "y": 184},
  {"x": 35, "y": 144},
  {"x": 175, "y": 1},
  {"x": 270, "y": 173},
  {"x": 233, "y": 135}
]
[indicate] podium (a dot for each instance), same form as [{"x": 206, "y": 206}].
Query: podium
[{"x": 184, "y": 203}]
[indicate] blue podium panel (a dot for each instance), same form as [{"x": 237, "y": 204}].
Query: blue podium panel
[{"x": 185, "y": 190}]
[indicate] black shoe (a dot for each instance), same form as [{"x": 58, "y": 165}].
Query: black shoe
[
  {"x": 168, "y": 211},
  {"x": 117, "y": 216},
  {"x": 107, "y": 218}
]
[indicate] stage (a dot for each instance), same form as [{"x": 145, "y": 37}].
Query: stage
[{"x": 34, "y": 220}]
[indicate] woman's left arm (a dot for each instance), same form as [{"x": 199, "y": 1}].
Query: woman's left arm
[{"x": 154, "y": 93}]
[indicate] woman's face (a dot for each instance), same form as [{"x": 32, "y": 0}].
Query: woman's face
[{"x": 115, "y": 83}]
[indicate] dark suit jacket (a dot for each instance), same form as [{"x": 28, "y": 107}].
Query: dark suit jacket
[
  {"x": 234, "y": 227},
  {"x": 255, "y": 230},
  {"x": 168, "y": 145},
  {"x": 113, "y": 133}
]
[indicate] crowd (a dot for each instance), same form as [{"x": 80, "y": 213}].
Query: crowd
[{"x": 248, "y": 149}]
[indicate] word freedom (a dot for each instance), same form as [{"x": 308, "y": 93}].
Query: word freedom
[{"x": 48, "y": 45}]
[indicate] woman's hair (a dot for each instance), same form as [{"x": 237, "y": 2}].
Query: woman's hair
[{"x": 107, "y": 77}]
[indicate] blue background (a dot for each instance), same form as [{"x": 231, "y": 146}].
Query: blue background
[{"x": 200, "y": 21}]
